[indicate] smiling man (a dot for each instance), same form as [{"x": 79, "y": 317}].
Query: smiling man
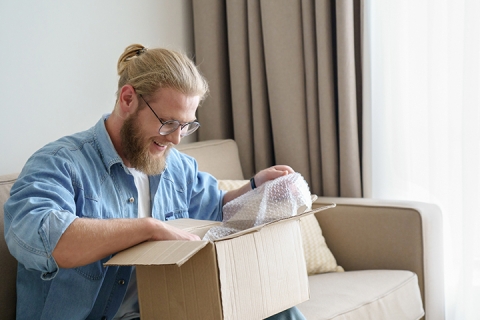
[{"x": 83, "y": 198}]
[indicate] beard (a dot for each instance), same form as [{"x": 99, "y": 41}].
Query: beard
[{"x": 136, "y": 148}]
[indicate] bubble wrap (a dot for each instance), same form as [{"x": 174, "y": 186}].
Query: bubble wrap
[{"x": 274, "y": 200}]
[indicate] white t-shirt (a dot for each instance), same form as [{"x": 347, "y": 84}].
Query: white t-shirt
[
  {"x": 129, "y": 308},
  {"x": 143, "y": 189}
]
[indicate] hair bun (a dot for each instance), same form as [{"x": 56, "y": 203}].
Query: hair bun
[
  {"x": 140, "y": 51},
  {"x": 132, "y": 51}
]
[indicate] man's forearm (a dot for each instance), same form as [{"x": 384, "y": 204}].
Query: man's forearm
[
  {"x": 89, "y": 240},
  {"x": 232, "y": 194}
]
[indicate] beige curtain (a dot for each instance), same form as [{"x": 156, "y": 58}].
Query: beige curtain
[{"x": 285, "y": 83}]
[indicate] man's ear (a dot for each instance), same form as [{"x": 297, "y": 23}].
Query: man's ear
[{"x": 127, "y": 100}]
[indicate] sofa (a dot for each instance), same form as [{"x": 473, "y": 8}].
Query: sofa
[{"x": 391, "y": 251}]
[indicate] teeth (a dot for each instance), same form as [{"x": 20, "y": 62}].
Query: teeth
[{"x": 166, "y": 145}]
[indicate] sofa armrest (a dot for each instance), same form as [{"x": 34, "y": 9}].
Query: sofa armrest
[{"x": 377, "y": 234}]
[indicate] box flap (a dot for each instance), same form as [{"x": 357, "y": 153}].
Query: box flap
[
  {"x": 298, "y": 216},
  {"x": 157, "y": 253},
  {"x": 192, "y": 224}
]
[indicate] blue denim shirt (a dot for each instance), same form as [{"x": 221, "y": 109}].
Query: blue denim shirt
[{"x": 83, "y": 176}]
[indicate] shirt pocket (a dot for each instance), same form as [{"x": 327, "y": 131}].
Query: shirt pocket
[
  {"x": 104, "y": 208},
  {"x": 177, "y": 214},
  {"x": 171, "y": 200}
]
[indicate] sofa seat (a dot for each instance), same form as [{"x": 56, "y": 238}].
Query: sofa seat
[{"x": 366, "y": 294}]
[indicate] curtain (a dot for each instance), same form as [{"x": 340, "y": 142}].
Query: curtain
[
  {"x": 425, "y": 120},
  {"x": 285, "y": 83}
]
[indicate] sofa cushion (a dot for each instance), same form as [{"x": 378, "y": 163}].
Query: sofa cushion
[
  {"x": 352, "y": 295},
  {"x": 318, "y": 256}
]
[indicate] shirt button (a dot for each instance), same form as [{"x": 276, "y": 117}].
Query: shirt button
[
  {"x": 122, "y": 282},
  {"x": 131, "y": 200}
]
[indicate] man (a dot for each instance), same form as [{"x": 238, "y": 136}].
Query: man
[{"x": 85, "y": 197}]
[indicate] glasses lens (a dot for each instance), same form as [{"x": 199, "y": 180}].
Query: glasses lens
[
  {"x": 168, "y": 127},
  {"x": 172, "y": 125},
  {"x": 190, "y": 128}
]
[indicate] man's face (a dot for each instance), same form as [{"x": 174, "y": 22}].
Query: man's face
[
  {"x": 136, "y": 147},
  {"x": 144, "y": 148}
]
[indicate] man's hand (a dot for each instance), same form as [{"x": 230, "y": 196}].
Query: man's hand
[
  {"x": 271, "y": 173},
  {"x": 163, "y": 231},
  {"x": 260, "y": 178}
]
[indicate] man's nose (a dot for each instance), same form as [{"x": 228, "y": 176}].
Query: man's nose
[{"x": 175, "y": 136}]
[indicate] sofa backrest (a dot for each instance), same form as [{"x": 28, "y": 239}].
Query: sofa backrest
[
  {"x": 8, "y": 264},
  {"x": 220, "y": 158}
]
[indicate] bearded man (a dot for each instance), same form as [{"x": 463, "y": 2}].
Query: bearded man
[{"x": 83, "y": 198}]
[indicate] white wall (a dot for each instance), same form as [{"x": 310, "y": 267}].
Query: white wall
[{"x": 58, "y": 63}]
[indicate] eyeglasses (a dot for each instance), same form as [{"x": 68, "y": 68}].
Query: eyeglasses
[{"x": 172, "y": 125}]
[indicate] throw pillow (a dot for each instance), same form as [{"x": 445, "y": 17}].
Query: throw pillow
[
  {"x": 318, "y": 257},
  {"x": 231, "y": 184}
]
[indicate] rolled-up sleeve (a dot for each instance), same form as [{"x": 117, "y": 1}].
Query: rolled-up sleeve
[{"x": 40, "y": 208}]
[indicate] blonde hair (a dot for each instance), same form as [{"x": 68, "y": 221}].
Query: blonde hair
[{"x": 150, "y": 69}]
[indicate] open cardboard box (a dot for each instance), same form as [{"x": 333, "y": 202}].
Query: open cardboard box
[{"x": 252, "y": 274}]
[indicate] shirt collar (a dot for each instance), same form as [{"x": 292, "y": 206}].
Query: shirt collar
[{"x": 105, "y": 144}]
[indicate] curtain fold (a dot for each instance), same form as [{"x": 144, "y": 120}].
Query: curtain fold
[
  {"x": 284, "y": 83},
  {"x": 211, "y": 55}
]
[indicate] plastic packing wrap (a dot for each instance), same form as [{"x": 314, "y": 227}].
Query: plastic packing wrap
[{"x": 274, "y": 200}]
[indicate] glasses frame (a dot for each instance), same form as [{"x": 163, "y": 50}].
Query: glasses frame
[{"x": 169, "y": 122}]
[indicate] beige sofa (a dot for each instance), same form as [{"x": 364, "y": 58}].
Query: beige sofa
[{"x": 391, "y": 251}]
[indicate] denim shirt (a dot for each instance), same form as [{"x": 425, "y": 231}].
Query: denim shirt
[{"x": 83, "y": 176}]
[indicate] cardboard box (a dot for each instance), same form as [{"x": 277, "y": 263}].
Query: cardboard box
[{"x": 252, "y": 274}]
